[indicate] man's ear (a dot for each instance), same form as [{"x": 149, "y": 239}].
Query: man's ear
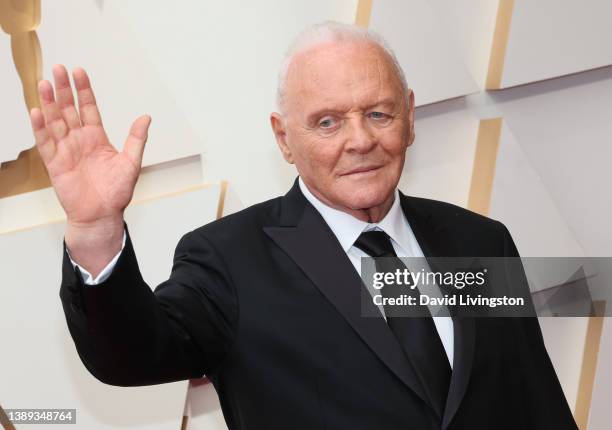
[
  {"x": 280, "y": 132},
  {"x": 411, "y": 115}
]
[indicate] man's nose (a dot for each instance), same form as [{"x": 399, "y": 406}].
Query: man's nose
[{"x": 360, "y": 137}]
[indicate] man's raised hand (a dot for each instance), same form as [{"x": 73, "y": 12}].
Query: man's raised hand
[{"x": 93, "y": 181}]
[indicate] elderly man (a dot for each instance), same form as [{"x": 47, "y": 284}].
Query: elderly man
[{"x": 266, "y": 302}]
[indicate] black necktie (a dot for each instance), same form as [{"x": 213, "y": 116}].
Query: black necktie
[{"x": 417, "y": 335}]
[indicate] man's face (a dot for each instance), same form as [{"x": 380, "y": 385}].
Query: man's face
[{"x": 347, "y": 123}]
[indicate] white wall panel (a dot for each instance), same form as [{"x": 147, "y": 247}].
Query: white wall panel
[
  {"x": 203, "y": 409},
  {"x": 522, "y": 202},
  {"x": 424, "y": 35},
  {"x": 439, "y": 162},
  {"x": 15, "y": 123},
  {"x": 470, "y": 25},
  {"x": 564, "y": 338},
  {"x": 565, "y": 132},
  {"x": 126, "y": 83},
  {"x": 599, "y": 418},
  {"x": 550, "y": 38}
]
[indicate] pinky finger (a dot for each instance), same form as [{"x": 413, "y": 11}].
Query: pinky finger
[{"x": 45, "y": 145}]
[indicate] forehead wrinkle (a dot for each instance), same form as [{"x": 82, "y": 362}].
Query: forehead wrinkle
[
  {"x": 378, "y": 79},
  {"x": 301, "y": 74},
  {"x": 375, "y": 81}
]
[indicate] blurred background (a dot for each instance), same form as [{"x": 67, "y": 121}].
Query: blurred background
[{"x": 513, "y": 121}]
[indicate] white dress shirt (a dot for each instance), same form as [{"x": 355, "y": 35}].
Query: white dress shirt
[
  {"x": 104, "y": 274},
  {"x": 347, "y": 229}
]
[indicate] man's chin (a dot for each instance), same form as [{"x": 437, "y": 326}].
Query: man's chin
[{"x": 365, "y": 199}]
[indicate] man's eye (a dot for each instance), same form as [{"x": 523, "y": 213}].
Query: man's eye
[
  {"x": 380, "y": 118},
  {"x": 378, "y": 115},
  {"x": 326, "y": 123}
]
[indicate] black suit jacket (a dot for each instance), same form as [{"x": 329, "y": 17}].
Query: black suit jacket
[{"x": 266, "y": 303}]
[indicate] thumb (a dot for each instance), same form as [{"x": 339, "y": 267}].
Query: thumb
[{"x": 135, "y": 142}]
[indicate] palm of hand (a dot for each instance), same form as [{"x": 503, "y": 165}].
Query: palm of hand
[{"x": 91, "y": 178}]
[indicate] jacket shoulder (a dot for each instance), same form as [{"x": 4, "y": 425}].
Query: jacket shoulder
[
  {"x": 241, "y": 224},
  {"x": 452, "y": 215},
  {"x": 472, "y": 233}
]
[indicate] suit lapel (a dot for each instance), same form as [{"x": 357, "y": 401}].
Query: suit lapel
[
  {"x": 435, "y": 241},
  {"x": 308, "y": 240}
]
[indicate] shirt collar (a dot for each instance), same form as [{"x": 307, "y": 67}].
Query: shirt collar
[{"x": 347, "y": 228}]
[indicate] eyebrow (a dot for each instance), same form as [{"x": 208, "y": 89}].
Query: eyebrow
[{"x": 339, "y": 109}]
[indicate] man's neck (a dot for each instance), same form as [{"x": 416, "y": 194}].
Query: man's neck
[{"x": 370, "y": 215}]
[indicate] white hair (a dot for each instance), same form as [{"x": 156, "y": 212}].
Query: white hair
[{"x": 331, "y": 31}]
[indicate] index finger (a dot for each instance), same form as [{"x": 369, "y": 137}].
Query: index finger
[{"x": 87, "y": 101}]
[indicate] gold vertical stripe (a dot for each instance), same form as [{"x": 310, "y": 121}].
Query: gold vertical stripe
[
  {"x": 4, "y": 420},
  {"x": 184, "y": 422},
  {"x": 589, "y": 366},
  {"x": 483, "y": 172},
  {"x": 499, "y": 45},
  {"x": 364, "y": 11},
  {"x": 222, "y": 195}
]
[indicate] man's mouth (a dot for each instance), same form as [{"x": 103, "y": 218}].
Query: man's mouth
[{"x": 365, "y": 170}]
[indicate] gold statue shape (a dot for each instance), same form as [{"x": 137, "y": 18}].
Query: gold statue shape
[{"x": 19, "y": 19}]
